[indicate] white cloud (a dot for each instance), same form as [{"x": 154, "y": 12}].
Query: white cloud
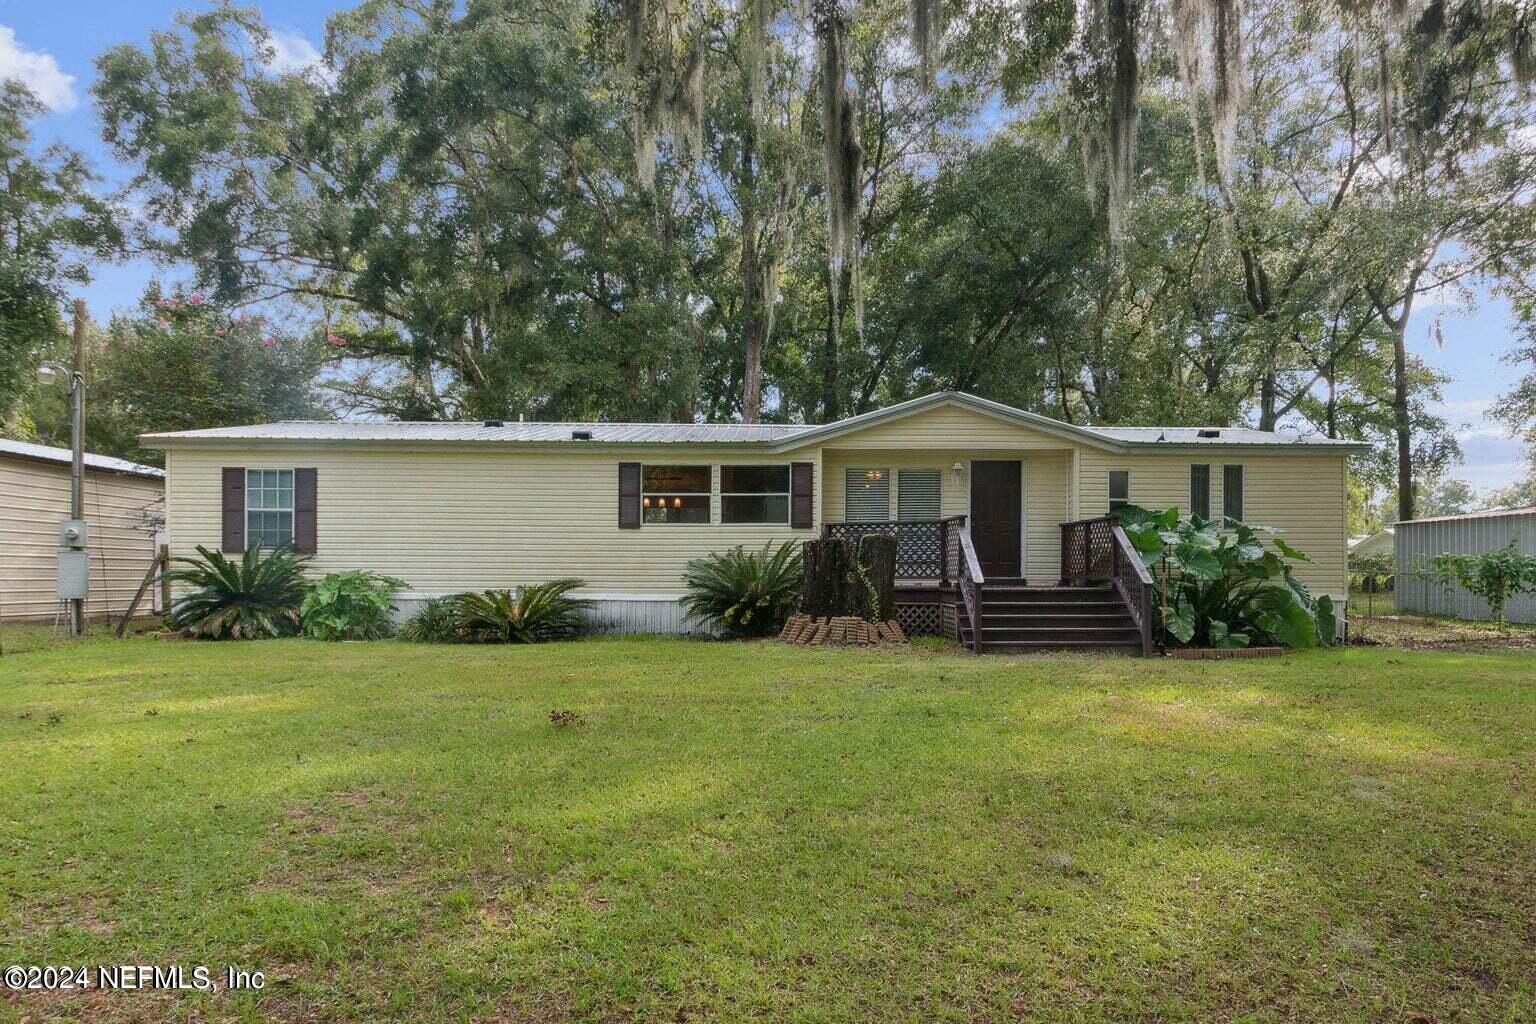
[
  {"x": 37, "y": 71},
  {"x": 292, "y": 52}
]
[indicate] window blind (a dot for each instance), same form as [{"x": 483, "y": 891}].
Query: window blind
[
  {"x": 918, "y": 494},
  {"x": 867, "y": 498}
]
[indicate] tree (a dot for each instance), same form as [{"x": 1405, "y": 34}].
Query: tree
[
  {"x": 52, "y": 227},
  {"x": 1447, "y": 498},
  {"x": 182, "y": 363}
]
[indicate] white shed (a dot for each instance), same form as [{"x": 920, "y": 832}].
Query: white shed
[
  {"x": 124, "y": 505},
  {"x": 1470, "y": 534}
]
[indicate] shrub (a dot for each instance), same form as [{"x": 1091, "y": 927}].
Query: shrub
[
  {"x": 742, "y": 593},
  {"x": 352, "y": 605},
  {"x": 257, "y": 596},
  {"x": 537, "y": 613},
  {"x": 1495, "y": 576},
  {"x": 1224, "y": 588},
  {"x": 435, "y": 622}
]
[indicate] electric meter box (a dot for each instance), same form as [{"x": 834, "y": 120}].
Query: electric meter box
[
  {"x": 74, "y": 574},
  {"x": 73, "y": 533}
]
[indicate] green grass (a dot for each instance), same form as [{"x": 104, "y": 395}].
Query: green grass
[{"x": 755, "y": 832}]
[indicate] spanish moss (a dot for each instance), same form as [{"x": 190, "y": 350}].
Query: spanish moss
[
  {"x": 927, "y": 30},
  {"x": 843, "y": 153},
  {"x": 1226, "y": 81}
]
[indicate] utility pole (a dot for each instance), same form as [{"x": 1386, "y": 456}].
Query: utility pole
[{"x": 77, "y": 441}]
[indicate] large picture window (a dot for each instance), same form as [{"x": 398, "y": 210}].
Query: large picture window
[
  {"x": 754, "y": 494},
  {"x": 268, "y": 507},
  {"x": 918, "y": 494},
  {"x": 674, "y": 495},
  {"x": 867, "y": 498}
]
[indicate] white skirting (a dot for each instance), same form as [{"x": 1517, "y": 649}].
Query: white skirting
[{"x": 610, "y": 613}]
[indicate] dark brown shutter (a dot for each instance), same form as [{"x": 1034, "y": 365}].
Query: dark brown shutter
[
  {"x": 801, "y": 491},
  {"x": 304, "y": 487},
  {"x": 629, "y": 495},
  {"x": 234, "y": 509}
]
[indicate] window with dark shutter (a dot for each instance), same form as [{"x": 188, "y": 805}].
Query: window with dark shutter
[
  {"x": 802, "y": 487},
  {"x": 629, "y": 495},
  {"x": 305, "y": 486},
  {"x": 234, "y": 510}
]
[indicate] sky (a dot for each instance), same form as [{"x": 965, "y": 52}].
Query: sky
[{"x": 51, "y": 47}]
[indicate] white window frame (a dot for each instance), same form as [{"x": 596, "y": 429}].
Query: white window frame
[
  {"x": 886, "y": 516},
  {"x": 786, "y": 494},
  {"x": 938, "y": 473},
  {"x": 251, "y": 535},
  {"x": 708, "y": 496},
  {"x": 1109, "y": 489}
]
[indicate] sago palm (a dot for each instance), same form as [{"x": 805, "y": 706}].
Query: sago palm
[
  {"x": 537, "y": 613},
  {"x": 257, "y": 596},
  {"x": 744, "y": 593}
]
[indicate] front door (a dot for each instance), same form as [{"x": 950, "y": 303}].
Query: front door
[{"x": 996, "y": 509}]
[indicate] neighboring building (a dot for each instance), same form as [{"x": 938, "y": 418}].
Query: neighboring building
[
  {"x": 1471, "y": 534},
  {"x": 1381, "y": 542},
  {"x": 461, "y": 506},
  {"x": 124, "y": 506}
]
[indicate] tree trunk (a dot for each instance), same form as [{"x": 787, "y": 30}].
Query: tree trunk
[
  {"x": 826, "y": 578},
  {"x": 831, "y": 373},
  {"x": 1400, "y": 421},
  {"x": 751, "y": 287},
  {"x": 877, "y": 556}
]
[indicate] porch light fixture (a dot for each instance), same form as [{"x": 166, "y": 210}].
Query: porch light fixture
[{"x": 958, "y": 472}]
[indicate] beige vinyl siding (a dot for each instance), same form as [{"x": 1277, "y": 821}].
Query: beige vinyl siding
[
  {"x": 1301, "y": 494},
  {"x": 949, "y": 427},
  {"x": 1045, "y": 492},
  {"x": 34, "y": 498},
  {"x": 451, "y": 519}
]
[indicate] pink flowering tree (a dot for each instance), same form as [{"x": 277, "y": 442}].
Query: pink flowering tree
[{"x": 180, "y": 362}]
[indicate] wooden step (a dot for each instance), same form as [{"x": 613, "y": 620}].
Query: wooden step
[
  {"x": 1056, "y": 617},
  {"x": 1106, "y": 634},
  {"x": 1048, "y": 595}
]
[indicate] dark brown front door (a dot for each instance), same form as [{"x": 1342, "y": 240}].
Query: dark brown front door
[{"x": 996, "y": 507}]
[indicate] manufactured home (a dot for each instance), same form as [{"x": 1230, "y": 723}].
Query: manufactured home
[
  {"x": 1002, "y": 515},
  {"x": 124, "y": 505}
]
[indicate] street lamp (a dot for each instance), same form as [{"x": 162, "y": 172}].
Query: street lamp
[{"x": 50, "y": 373}]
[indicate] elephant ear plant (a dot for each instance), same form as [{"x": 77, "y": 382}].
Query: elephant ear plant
[{"x": 1225, "y": 587}]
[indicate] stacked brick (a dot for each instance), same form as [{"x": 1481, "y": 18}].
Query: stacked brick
[{"x": 841, "y": 631}]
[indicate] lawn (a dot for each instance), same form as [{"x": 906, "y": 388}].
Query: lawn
[{"x": 754, "y": 832}]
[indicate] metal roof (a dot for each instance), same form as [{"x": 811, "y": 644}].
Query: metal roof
[
  {"x": 1487, "y": 513},
  {"x": 780, "y": 436},
  {"x": 43, "y": 453},
  {"x": 611, "y": 433},
  {"x": 1217, "y": 436}
]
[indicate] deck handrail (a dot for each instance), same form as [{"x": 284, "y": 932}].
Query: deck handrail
[
  {"x": 1131, "y": 578},
  {"x": 968, "y": 577},
  {"x": 1097, "y": 550}
]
